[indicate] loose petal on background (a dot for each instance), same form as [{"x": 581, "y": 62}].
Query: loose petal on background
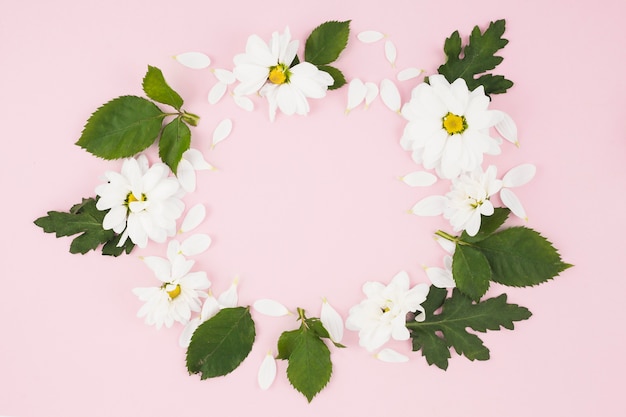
[
  {"x": 391, "y": 53},
  {"x": 224, "y": 76},
  {"x": 391, "y": 356},
  {"x": 332, "y": 321},
  {"x": 409, "y": 73},
  {"x": 222, "y": 131},
  {"x": 510, "y": 200},
  {"x": 446, "y": 244},
  {"x": 430, "y": 206},
  {"x": 390, "y": 95},
  {"x": 196, "y": 159},
  {"x": 194, "y": 217},
  {"x": 195, "y": 60},
  {"x": 356, "y": 94},
  {"x": 506, "y": 127},
  {"x": 519, "y": 175},
  {"x": 217, "y": 92},
  {"x": 195, "y": 244},
  {"x": 419, "y": 179},
  {"x": 270, "y": 308},
  {"x": 370, "y": 36},
  {"x": 267, "y": 371},
  {"x": 244, "y": 102},
  {"x": 230, "y": 298},
  {"x": 371, "y": 94}
]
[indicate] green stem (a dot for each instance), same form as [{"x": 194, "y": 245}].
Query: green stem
[
  {"x": 447, "y": 236},
  {"x": 190, "y": 118}
]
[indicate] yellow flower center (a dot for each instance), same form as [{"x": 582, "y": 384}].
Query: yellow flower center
[
  {"x": 279, "y": 74},
  {"x": 454, "y": 124},
  {"x": 130, "y": 198},
  {"x": 175, "y": 292}
]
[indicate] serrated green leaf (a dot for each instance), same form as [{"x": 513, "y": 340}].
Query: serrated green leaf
[
  {"x": 338, "y": 78},
  {"x": 448, "y": 329},
  {"x": 471, "y": 271},
  {"x": 84, "y": 220},
  {"x": 326, "y": 42},
  {"x": 220, "y": 344},
  {"x": 121, "y": 128},
  {"x": 286, "y": 343},
  {"x": 488, "y": 225},
  {"x": 175, "y": 140},
  {"x": 478, "y": 57},
  {"x": 316, "y": 326},
  {"x": 309, "y": 366},
  {"x": 521, "y": 257},
  {"x": 111, "y": 249},
  {"x": 155, "y": 87}
]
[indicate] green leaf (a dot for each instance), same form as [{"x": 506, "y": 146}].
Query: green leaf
[
  {"x": 84, "y": 220},
  {"x": 440, "y": 332},
  {"x": 155, "y": 87},
  {"x": 326, "y": 42},
  {"x": 286, "y": 343},
  {"x": 488, "y": 225},
  {"x": 471, "y": 271},
  {"x": 315, "y": 325},
  {"x": 110, "y": 248},
  {"x": 478, "y": 57},
  {"x": 220, "y": 344},
  {"x": 175, "y": 140},
  {"x": 122, "y": 128},
  {"x": 309, "y": 366},
  {"x": 521, "y": 257},
  {"x": 339, "y": 79}
]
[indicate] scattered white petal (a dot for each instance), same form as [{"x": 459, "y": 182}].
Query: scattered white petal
[
  {"x": 224, "y": 76},
  {"x": 370, "y": 36},
  {"x": 230, "y": 298},
  {"x": 447, "y": 245},
  {"x": 510, "y": 200},
  {"x": 217, "y": 92},
  {"x": 196, "y": 159},
  {"x": 332, "y": 321},
  {"x": 419, "y": 179},
  {"x": 371, "y": 94},
  {"x": 506, "y": 127},
  {"x": 391, "y": 356},
  {"x": 442, "y": 277},
  {"x": 195, "y": 60},
  {"x": 430, "y": 206},
  {"x": 194, "y": 217},
  {"x": 244, "y": 102},
  {"x": 267, "y": 371},
  {"x": 195, "y": 244},
  {"x": 187, "y": 333},
  {"x": 270, "y": 308},
  {"x": 222, "y": 131},
  {"x": 409, "y": 73},
  {"x": 519, "y": 175},
  {"x": 391, "y": 53},
  {"x": 356, "y": 94},
  {"x": 390, "y": 95}
]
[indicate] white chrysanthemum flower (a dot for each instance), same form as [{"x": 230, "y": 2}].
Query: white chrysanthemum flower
[
  {"x": 383, "y": 314},
  {"x": 265, "y": 69},
  {"x": 448, "y": 127},
  {"x": 470, "y": 198},
  {"x": 178, "y": 295},
  {"x": 143, "y": 202}
]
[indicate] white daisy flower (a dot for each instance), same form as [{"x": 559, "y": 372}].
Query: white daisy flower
[
  {"x": 143, "y": 202},
  {"x": 177, "y": 296},
  {"x": 265, "y": 69},
  {"x": 383, "y": 314},
  {"x": 448, "y": 127}
]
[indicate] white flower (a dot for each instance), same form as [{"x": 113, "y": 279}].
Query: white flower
[
  {"x": 469, "y": 199},
  {"x": 177, "y": 296},
  {"x": 448, "y": 127},
  {"x": 143, "y": 202},
  {"x": 383, "y": 314},
  {"x": 265, "y": 69}
]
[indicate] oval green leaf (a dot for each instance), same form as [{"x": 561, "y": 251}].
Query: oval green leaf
[
  {"x": 326, "y": 42},
  {"x": 175, "y": 140},
  {"x": 471, "y": 271},
  {"x": 155, "y": 87}
]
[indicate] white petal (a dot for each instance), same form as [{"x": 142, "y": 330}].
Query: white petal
[
  {"x": 224, "y": 76},
  {"x": 196, "y": 159},
  {"x": 244, "y": 102},
  {"x": 195, "y": 60},
  {"x": 356, "y": 93},
  {"x": 332, "y": 322},
  {"x": 440, "y": 278},
  {"x": 270, "y": 308},
  {"x": 391, "y": 53},
  {"x": 187, "y": 333},
  {"x": 267, "y": 371},
  {"x": 409, "y": 73},
  {"x": 194, "y": 217},
  {"x": 391, "y": 356},
  {"x": 229, "y": 298},
  {"x": 430, "y": 206},
  {"x": 372, "y": 93},
  {"x": 506, "y": 127},
  {"x": 217, "y": 92},
  {"x": 447, "y": 245},
  {"x": 390, "y": 95},
  {"x": 419, "y": 179},
  {"x": 519, "y": 175},
  {"x": 195, "y": 244},
  {"x": 510, "y": 200},
  {"x": 222, "y": 131},
  {"x": 370, "y": 36}
]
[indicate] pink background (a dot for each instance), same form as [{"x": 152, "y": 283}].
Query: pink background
[{"x": 307, "y": 207}]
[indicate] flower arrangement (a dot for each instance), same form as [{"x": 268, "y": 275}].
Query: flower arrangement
[{"x": 449, "y": 128}]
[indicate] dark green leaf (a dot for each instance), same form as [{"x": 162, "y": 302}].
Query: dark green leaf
[
  {"x": 122, "y": 128},
  {"x": 110, "y": 248},
  {"x": 155, "y": 87},
  {"x": 478, "y": 57},
  {"x": 175, "y": 140},
  {"x": 326, "y": 42},
  {"x": 521, "y": 257},
  {"x": 488, "y": 225},
  {"x": 220, "y": 344},
  {"x": 471, "y": 271},
  {"x": 84, "y": 220},
  {"x": 316, "y": 326},
  {"x": 448, "y": 329},
  {"x": 286, "y": 343},
  {"x": 339, "y": 79},
  {"x": 309, "y": 366}
]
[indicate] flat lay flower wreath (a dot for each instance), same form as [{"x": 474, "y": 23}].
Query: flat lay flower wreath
[{"x": 449, "y": 127}]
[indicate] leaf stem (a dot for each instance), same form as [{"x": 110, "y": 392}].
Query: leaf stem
[{"x": 447, "y": 236}]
